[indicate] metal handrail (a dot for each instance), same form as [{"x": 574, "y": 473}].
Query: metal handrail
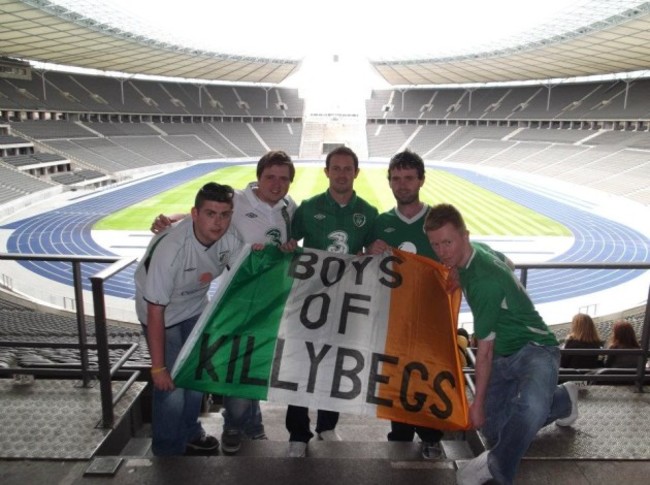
[
  {"x": 75, "y": 261},
  {"x": 104, "y": 371},
  {"x": 638, "y": 378},
  {"x": 617, "y": 374},
  {"x": 645, "y": 332},
  {"x": 118, "y": 264}
]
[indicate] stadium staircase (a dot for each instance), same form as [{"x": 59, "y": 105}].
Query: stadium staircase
[
  {"x": 608, "y": 445},
  {"x": 318, "y": 134},
  {"x": 53, "y": 429}
]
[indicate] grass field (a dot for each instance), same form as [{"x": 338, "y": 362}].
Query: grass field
[{"x": 486, "y": 213}]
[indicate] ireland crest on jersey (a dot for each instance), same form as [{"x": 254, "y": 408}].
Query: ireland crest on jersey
[
  {"x": 274, "y": 236},
  {"x": 359, "y": 219}
]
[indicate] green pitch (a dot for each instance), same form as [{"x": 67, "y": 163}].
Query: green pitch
[{"x": 485, "y": 212}]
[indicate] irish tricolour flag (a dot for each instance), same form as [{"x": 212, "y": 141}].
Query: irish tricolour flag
[{"x": 373, "y": 335}]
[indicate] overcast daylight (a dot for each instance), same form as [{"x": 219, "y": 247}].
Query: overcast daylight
[
  {"x": 372, "y": 29},
  {"x": 347, "y": 242}
]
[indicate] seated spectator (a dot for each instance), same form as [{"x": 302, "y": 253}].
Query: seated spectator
[
  {"x": 473, "y": 342},
  {"x": 583, "y": 336},
  {"x": 462, "y": 338},
  {"x": 623, "y": 337}
]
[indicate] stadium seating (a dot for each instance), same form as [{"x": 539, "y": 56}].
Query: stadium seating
[
  {"x": 15, "y": 184},
  {"x": 69, "y": 92},
  {"x": 568, "y": 101},
  {"x": 21, "y": 323},
  {"x": 604, "y": 327},
  {"x": 385, "y": 140},
  {"x": 120, "y": 125},
  {"x": 49, "y": 130},
  {"x": 281, "y": 136}
]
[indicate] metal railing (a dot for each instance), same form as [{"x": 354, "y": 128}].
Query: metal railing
[
  {"x": 596, "y": 375},
  {"x": 105, "y": 374},
  {"x": 590, "y": 375},
  {"x": 104, "y": 371}
]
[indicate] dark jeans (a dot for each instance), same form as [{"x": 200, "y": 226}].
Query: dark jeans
[
  {"x": 175, "y": 415},
  {"x": 406, "y": 432},
  {"x": 297, "y": 422}
]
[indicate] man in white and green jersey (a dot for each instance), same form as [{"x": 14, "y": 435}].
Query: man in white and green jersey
[
  {"x": 402, "y": 227},
  {"x": 518, "y": 357},
  {"x": 172, "y": 282},
  {"x": 338, "y": 221},
  {"x": 262, "y": 215}
]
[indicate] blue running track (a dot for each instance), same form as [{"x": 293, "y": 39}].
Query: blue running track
[
  {"x": 68, "y": 231},
  {"x": 596, "y": 240}
]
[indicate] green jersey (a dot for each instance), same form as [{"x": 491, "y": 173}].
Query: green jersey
[
  {"x": 402, "y": 233},
  {"x": 501, "y": 307},
  {"x": 326, "y": 225}
]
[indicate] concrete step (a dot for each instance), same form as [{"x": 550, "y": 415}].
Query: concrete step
[
  {"x": 355, "y": 450},
  {"x": 265, "y": 470},
  {"x": 363, "y": 437},
  {"x": 346, "y": 450}
]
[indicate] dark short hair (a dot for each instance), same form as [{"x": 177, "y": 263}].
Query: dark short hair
[
  {"x": 405, "y": 160},
  {"x": 214, "y": 192},
  {"x": 275, "y": 157},
  {"x": 441, "y": 214},
  {"x": 345, "y": 151}
]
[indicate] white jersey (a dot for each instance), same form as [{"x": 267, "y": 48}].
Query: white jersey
[
  {"x": 257, "y": 221},
  {"x": 176, "y": 271}
]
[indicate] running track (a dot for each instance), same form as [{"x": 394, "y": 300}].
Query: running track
[{"x": 68, "y": 231}]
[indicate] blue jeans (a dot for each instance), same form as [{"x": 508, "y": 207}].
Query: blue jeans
[
  {"x": 175, "y": 414},
  {"x": 522, "y": 397},
  {"x": 243, "y": 415}
]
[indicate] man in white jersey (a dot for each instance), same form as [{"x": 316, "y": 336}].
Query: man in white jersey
[
  {"x": 172, "y": 282},
  {"x": 262, "y": 215},
  {"x": 263, "y": 210}
]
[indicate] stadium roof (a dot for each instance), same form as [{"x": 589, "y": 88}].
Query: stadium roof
[{"x": 598, "y": 37}]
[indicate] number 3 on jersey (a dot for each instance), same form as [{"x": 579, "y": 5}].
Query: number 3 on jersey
[{"x": 339, "y": 242}]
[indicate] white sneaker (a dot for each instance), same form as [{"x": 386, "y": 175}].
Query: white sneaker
[
  {"x": 329, "y": 435},
  {"x": 297, "y": 449},
  {"x": 572, "y": 389},
  {"x": 475, "y": 472},
  {"x": 430, "y": 450}
]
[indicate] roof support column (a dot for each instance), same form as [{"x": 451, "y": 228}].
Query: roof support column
[
  {"x": 43, "y": 82},
  {"x": 549, "y": 86},
  {"x": 266, "y": 92}
]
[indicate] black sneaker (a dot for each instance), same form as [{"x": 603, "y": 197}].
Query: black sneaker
[
  {"x": 203, "y": 445},
  {"x": 231, "y": 441}
]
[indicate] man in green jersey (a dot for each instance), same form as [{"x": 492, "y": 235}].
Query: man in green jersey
[
  {"x": 517, "y": 359},
  {"x": 402, "y": 227},
  {"x": 337, "y": 221}
]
